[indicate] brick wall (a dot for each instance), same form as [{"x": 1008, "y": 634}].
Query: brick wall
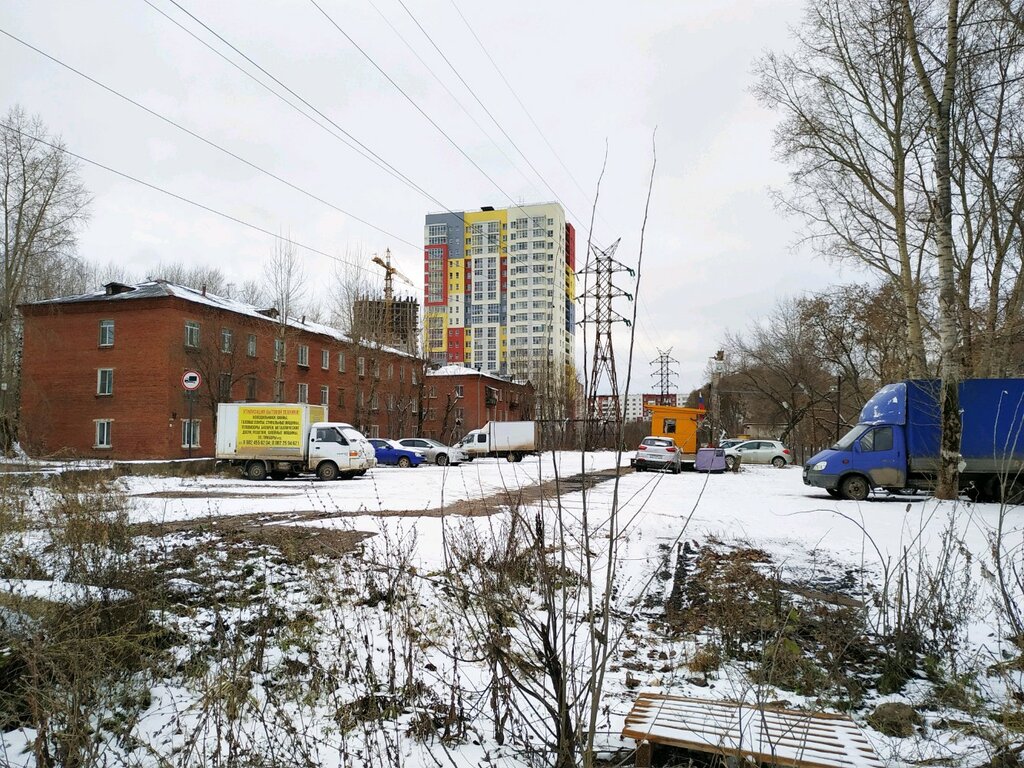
[
  {"x": 447, "y": 416},
  {"x": 60, "y": 403}
]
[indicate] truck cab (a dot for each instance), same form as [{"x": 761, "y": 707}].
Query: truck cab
[{"x": 341, "y": 445}]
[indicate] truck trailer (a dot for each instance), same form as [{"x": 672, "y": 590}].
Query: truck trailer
[
  {"x": 287, "y": 439},
  {"x": 503, "y": 439},
  {"x": 895, "y": 444}
]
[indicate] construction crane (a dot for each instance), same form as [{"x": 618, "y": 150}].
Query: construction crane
[{"x": 389, "y": 274}]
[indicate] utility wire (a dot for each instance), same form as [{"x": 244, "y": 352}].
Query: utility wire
[
  {"x": 447, "y": 60},
  {"x": 361, "y": 148},
  {"x": 184, "y": 199},
  {"x": 206, "y": 141},
  {"x": 448, "y": 90},
  {"x": 516, "y": 96},
  {"x": 410, "y": 99}
]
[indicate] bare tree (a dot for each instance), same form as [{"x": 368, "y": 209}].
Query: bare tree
[
  {"x": 853, "y": 129},
  {"x": 198, "y": 277},
  {"x": 934, "y": 49},
  {"x": 285, "y": 285},
  {"x": 44, "y": 203}
]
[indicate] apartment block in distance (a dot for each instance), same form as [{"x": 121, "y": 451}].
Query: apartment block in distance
[{"x": 499, "y": 291}]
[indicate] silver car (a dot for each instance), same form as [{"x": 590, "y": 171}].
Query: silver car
[
  {"x": 436, "y": 452},
  {"x": 658, "y": 453},
  {"x": 759, "y": 452}
]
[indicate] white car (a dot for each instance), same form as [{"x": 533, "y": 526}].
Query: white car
[
  {"x": 759, "y": 452},
  {"x": 435, "y": 451},
  {"x": 658, "y": 453}
]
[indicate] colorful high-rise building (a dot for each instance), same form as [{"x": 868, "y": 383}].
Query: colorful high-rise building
[{"x": 499, "y": 291}]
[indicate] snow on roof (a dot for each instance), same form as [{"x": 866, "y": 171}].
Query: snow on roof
[
  {"x": 462, "y": 370},
  {"x": 163, "y": 289}
]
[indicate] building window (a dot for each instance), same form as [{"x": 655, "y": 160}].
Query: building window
[
  {"x": 105, "y": 381},
  {"x": 106, "y": 333},
  {"x": 278, "y": 350},
  {"x": 360, "y": 366},
  {"x": 103, "y": 433},
  {"x": 432, "y": 390},
  {"x": 415, "y": 407},
  {"x": 225, "y": 387},
  {"x": 401, "y": 374},
  {"x": 376, "y": 369},
  {"x": 303, "y": 355},
  {"x": 415, "y": 378},
  {"x": 250, "y": 345},
  {"x": 191, "y": 334},
  {"x": 341, "y": 362},
  {"x": 460, "y": 413},
  {"x": 341, "y": 398},
  {"x": 303, "y": 396},
  {"x": 458, "y": 390},
  {"x": 278, "y": 390},
  {"x": 325, "y": 359},
  {"x": 391, "y": 371},
  {"x": 374, "y": 402},
  {"x": 190, "y": 433},
  {"x": 325, "y": 395},
  {"x": 250, "y": 388},
  {"x": 227, "y": 340},
  {"x": 373, "y": 431},
  {"x": 391, "y": 401}
]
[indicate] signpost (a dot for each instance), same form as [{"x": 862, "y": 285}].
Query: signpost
[{"x": 190, "y": 381}]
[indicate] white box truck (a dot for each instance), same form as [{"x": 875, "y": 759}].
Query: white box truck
[
  {"x": 509, "y": 439},
  {"x": 286, "y": 439}
]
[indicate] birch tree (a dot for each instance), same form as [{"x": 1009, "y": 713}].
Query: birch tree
[
  {"x": 285, "y": 281},
  {"x": 853, "y": 131},
  {"x": 935, "y": 62},
  {"x": 44, "y": 204}
]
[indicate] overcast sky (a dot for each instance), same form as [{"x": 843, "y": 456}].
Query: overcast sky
[{"x": 717, "y": 256}]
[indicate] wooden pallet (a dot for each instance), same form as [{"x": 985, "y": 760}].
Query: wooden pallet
[{"x": 781, "y": 737}]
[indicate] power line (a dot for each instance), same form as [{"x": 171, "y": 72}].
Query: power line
[
  {"x": 184, "y": 199},
  {"x": 448, "y": 90},
  {"x": 408, "y": 98},
  {"x": 468, "y": 87},
  {"x": 206, "y": 141},
  {"x": 516, "y": 95},
  {"x": 361, "y": 148}
]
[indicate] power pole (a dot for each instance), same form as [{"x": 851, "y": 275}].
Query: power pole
[
  {"x": 600, "y": 294},
  {"x": 664, "y": 361}
]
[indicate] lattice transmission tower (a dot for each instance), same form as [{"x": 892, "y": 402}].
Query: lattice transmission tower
[
  {"x": 664, "y": 374},
  {"x": 598, "y": 297}
]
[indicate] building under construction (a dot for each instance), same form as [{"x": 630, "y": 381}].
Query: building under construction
[{"x": 392, "y": 322}]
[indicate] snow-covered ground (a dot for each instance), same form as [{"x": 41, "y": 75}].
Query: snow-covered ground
[{"x": 806, "y": 533}]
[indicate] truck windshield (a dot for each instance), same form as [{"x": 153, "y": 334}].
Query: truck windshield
[{"x": 847, "y": 440}]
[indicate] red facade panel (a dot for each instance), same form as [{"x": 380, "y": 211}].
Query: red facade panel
[{"x": 570, "y": 246}]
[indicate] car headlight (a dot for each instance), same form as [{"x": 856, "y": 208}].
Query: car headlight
[{"x": 819, "y": 466}]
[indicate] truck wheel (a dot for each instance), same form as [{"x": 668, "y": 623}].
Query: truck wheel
[
  {"x": 327, "y": 470},
  {"x": 360, "y": 473},
  {"x": 730, "y": 462},
  {"x": 833, "y": 492},
  {"x": 778, "y": 462},
  {"x": 855, "y": 488},
  {"x": 256, "y": 470},
  {"x": 441, "y": 460},
  {"x": 404, "y": 462},
  {"x": 510, "y": 457}
]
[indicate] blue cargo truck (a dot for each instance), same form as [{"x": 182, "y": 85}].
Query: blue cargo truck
[{"x": 895, "y": 445}]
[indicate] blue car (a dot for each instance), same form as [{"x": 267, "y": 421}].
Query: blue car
[{"x": 390, "y": 452}]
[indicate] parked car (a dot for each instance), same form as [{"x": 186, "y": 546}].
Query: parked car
[
  {"x": 391, "y": 452},
  {"x": 435, "y": 451},
  {"x": 759, "y": 452},
  {"x": 658, "y": 453},
  {"x": 731, "y": 442}
]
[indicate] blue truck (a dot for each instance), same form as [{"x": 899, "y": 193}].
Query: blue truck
[{"x": 895, "y": 444}]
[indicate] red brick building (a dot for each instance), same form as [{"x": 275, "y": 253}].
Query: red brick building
[
  {"x": 458, "y": 399},
  {"x": 102, "y": 373}
]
